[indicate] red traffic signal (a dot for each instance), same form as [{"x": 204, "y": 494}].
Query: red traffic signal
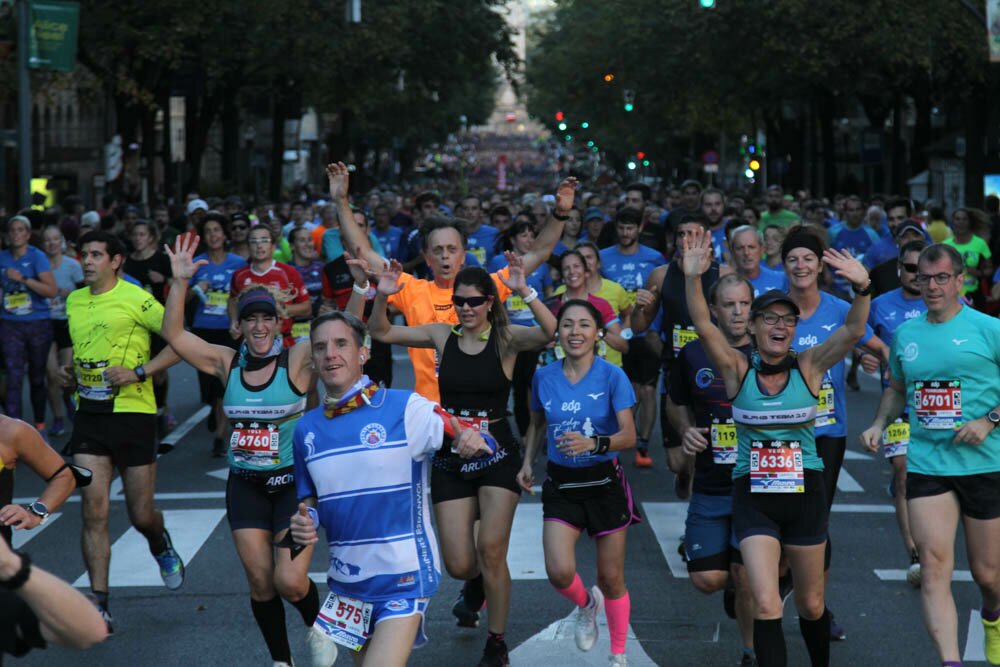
[
  {"x": 559, "y": 115},
  {"x": 641, "y": 155}
]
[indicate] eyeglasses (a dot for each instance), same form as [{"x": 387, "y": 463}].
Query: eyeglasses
[
  {"x": 939, "y": 278},
  {"x": 470, "y": 301},
  {"x": 771, "y": 319},
  {"x": 909, "y": 268}
]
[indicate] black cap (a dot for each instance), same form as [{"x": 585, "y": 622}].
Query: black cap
[
  {"x": 908, "y": 226},
  {"x": 771, "y": 297}
]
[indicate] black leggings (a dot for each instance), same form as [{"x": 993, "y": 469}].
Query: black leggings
[
  {"x": 524, "y": 371},
  {"x": 831, "y": 450}
]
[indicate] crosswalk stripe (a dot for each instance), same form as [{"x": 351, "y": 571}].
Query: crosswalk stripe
[
  {"x": 850, "y": 455},
  {"x": 667, "y": 522},
  {"x": 22, "y": 537},
  {"x": 847, "y": 484},
  {"x": 974, "y": 650},
  {"x": 182, "y": 429},
  {"x": 863, "y": 509},
  {"x": 131, "y": 563},
  {"x": 526, "y": 556},
  {"x": 555, "y": 647},
  {"x": 900, "y": 575},
  {"x": 221, "y": 473}
]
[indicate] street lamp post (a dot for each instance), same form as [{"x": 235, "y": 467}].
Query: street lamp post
[{"x": 23, "y": 106}]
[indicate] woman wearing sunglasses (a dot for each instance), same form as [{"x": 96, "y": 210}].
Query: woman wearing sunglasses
[
  {"x": 476, "y": 364},
  {"x": 774, "y": 398}
]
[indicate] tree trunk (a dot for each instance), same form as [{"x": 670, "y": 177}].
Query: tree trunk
[
  {"x": 200, "y": 118},
  {"x": 230, "y": 137},
  {"x": 274, "y": 181},
  {"x": 826, "y": 109}
]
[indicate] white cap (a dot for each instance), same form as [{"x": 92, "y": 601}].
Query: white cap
[
  {"x": 90, "y": 219},
  {"x": 195, "y": 204}
]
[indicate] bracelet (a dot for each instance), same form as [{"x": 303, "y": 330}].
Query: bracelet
[
  {"x": 21, "y": 576},
  {"x": 602, "y": 443},
  {"x": 865, "y": 291},
  {"x": 532, "y": 295},
  {"x": 560, "y": 216},
  {"x": 362, "y": 290}
]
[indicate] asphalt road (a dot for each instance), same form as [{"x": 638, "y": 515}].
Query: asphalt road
[{"x": 208, "y": 621}]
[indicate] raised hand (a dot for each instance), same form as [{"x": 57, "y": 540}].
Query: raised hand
[
  {"x": 696, "y": 249},
  {"x": 338, "y": 178},
  {"x": 388, "y": 279},
  {"x": 358, "y": 266},
  {"x": 847, "y": 267},
  {"x": 182, "y": 263},
  {"x": 516, "y": 281},
  {"x": 565, "y": 194}
]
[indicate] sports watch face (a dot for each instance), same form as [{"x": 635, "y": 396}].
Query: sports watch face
[{"x": 39, "y": 509}]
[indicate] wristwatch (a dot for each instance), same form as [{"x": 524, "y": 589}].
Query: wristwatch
[
  {"x": 627, "y": 333},
  {"x": 994, "y": 418},
  {"x": 39, "y": 509},
  {"x": 140, "y": 373}
]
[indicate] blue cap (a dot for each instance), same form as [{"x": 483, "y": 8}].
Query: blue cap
[
  {"x": 256, "y": 301},
  {"x": 593, "y": 213}
]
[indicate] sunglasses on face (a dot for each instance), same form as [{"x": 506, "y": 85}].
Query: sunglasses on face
[
  {"x": 471, "y": 301},
  {"x": 909, "y": 268}
]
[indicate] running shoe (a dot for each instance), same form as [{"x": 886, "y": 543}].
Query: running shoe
[
  {"x": 586, "y": 620},
  {"x": 913, "y": 573},
  {"x": 171, "y": 565},
  {"x": 618, "y": 660},
  {"x": 322, "y": 649},
  {"x": 991, "y": 641},
  {"x": 785, "y": 586},
  {"x": 494, "y": 654},
  {"x": 837, "y": 633},
  {"x": 469, "y": 603},
  {"x": 748, "y": 660},
  {"x": 104, "y": 613},
  {"x": 58, "y": 427},
  {"x": 642, "y": 458},
  {"x": 729, "y": 602}
]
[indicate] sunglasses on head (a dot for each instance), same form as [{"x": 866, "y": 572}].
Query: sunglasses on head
[{"x": 471, "y": 301}]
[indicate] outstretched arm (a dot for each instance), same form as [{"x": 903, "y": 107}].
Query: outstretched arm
[
  {"x": 550, "y": 234},
  {"x": 338, "y": 177},
  {"x": 525, "y": 337},
  {"x": 425, "y": 335}
]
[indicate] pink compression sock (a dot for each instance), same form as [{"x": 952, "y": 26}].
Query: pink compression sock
[
  {"x": 575, "y": 592},
  {"x": 618, "y": 611}
]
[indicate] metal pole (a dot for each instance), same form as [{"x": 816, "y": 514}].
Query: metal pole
[{"x": 23, "y": 105}]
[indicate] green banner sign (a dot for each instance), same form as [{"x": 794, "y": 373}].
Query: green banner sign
[{"x": 52, "y": 38}]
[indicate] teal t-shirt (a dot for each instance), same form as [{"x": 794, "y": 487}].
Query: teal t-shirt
[{"x": 954, "y": 369}]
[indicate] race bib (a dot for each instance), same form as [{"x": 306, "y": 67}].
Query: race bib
[
  {"x": 91, "y": 383},
  {"x": 776, "y": 467},
  {"x": 896, "y": 438},
  {"x": 682, "y": 337},
  {"x": 938, "y": 404},
  {"x": 300, "y": 330},
  {"x": 825, "y": 409},
  {"x": 723, "y": 438},
  {"x": 57, "y": 307},
  {"x": 17, "y": 303},
  {"x": 216, "y": 302},
  {"x": 255, "y": 444},
  {"x": 515, "y": 303},
  {"x": 347, "y": 621}
]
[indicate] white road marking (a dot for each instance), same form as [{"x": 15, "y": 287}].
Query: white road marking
[
  {"x": 182, "y": 429},
  {"x": 555, "y": 647},
  {"x": 856, "y": 456},
  {"x": 667, "y": 522},
  {"x": 974, "y": 650},
  {"x": 847, "y": 484},
  {"x": 525, "y": 556},
  {"x": 131, "y": 562},
  {"x": 22, "y": 537},
  {"x": 900, "y": 575},
  {"x": 863, "y": 509},
  {"x": 186, "y": 495},
  {"x": 221, "y": 473}
]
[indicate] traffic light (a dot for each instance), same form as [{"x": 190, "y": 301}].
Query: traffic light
[
  {"x": 631, "y": 165},
  {"x": 584, "y": 125},
  {"x": 641, "y": 155},
  {"x": 562, "y": 127},
  {"x": 754, "y": 165},
  {"x": 645, "y": 163},
  {"x": 748, "y": 173},
  {"x": 559, "y": 115},
  {"x": 629, "y": 95},
  {"x": 706, "y": 4},
  {"x": 609, "y": 77}
]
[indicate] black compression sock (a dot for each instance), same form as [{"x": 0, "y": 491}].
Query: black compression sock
[
  {"x": 308, "y": 606},
  {"x": 270, "y": 617},
  {"x": 769, "y": 643},
  {"x": 101, "y": 597},
  {"x": 817, "y": 636}
]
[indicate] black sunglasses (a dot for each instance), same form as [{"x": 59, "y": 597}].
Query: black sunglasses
[
  {"x": 909, "y": 268},
  {"x": 471, "y": 301}
]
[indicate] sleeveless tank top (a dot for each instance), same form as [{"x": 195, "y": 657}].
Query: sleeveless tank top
[
  {"x": 674, "y": 301},
  {"x": 474, "y": 387},
  {"x": 787, "y": 415},
  {"x": 262, "y": 417}
]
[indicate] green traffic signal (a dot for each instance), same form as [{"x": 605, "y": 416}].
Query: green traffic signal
[
  {"x": 707, "y": 4},
  {"x": 629, "y": 106}
]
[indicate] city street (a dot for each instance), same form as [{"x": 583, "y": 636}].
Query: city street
[{"x": 208, "y": 621}]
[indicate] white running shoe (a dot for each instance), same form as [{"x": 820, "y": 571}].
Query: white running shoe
[
  {"x": 913, "y": 575},
  {"x": 618, "y": 660},
  {"x": 586, "y": 620},
  {"x": 322, "y": 649}
]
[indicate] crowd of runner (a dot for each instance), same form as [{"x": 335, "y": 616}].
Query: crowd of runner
[{"x": 589, "y": 315}]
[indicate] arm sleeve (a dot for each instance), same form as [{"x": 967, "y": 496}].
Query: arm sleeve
[
  {"x": 424, "y": 428},
  {"x": 622, "y": 394},
  {"x": 304, "y": 487}
]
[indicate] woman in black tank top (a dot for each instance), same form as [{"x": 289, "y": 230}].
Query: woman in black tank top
[{"x": 476, "y": 363}]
